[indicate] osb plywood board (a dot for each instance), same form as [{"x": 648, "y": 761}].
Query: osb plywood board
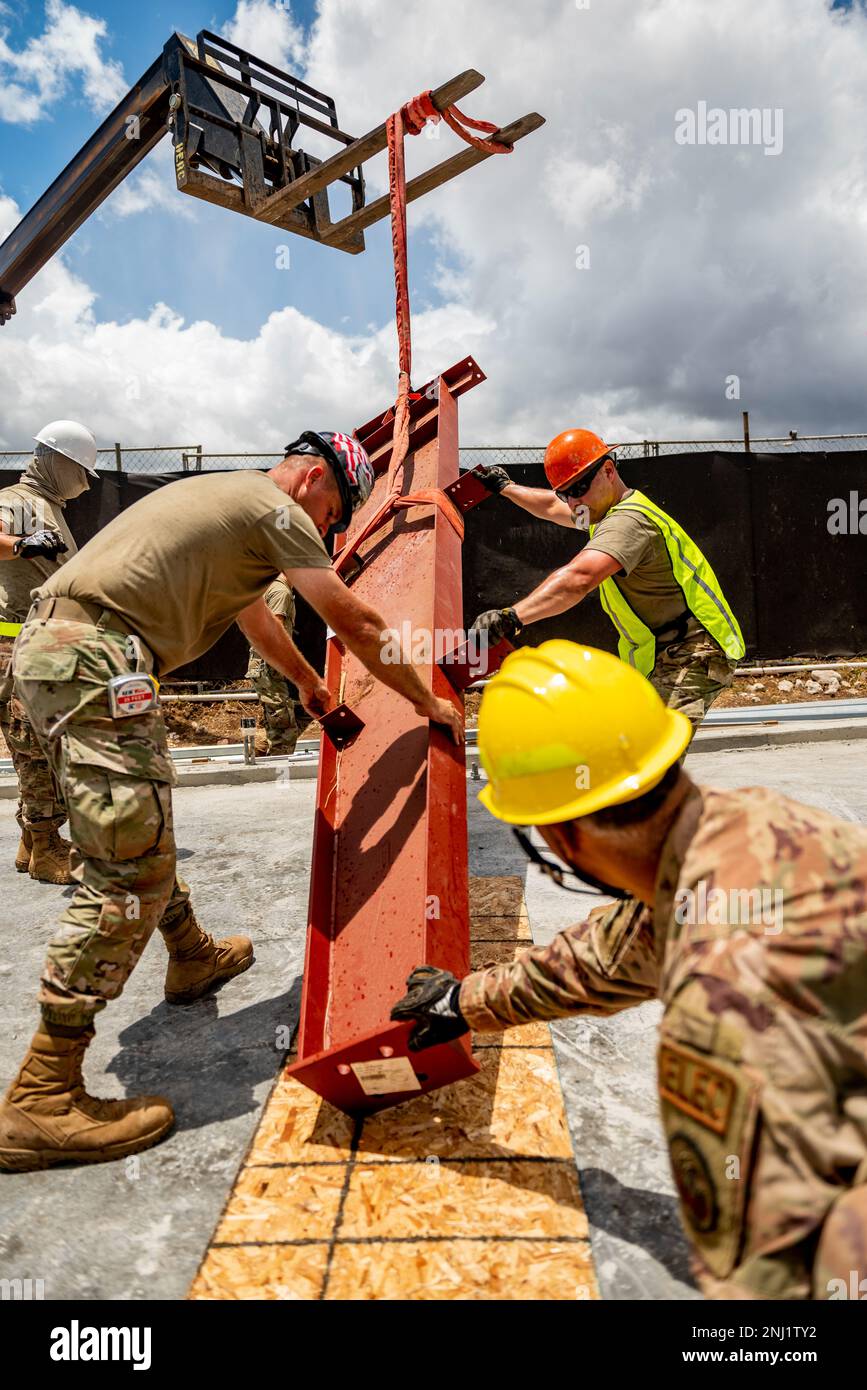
[
  {"x": 282, "y": 1204},
  {"x": 265, "y": 1271},
  {"x": 486, "y": 953},
  {"x": 298, "y": 1127},
  {"x": 501, "y": 927},
  {"x": 497, "y": 897},
  {"x": 529, "y": 1197},
  {"x": 470, "y": 1192},
  {"x": 463, "y": 1269},
  {"x": 528, "y": 1035},
  {"x": 513, "y": 1108}
]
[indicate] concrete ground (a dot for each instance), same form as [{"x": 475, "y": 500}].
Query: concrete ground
[{"x": 137, "y": 1229}]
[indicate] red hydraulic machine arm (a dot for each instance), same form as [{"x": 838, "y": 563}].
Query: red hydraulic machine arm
[{"x": 235, "y": 122}]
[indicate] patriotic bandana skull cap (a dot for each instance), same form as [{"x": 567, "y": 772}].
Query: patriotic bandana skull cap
[{"x": 349, "y": 463}]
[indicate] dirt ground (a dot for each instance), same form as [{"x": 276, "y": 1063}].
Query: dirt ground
[{"x": 192, "y": 722}]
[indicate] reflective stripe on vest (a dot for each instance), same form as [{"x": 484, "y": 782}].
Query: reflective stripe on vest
[{"x": 636, "y": 643}]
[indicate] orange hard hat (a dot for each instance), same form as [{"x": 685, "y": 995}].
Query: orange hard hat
[{"x": 570, "y": 454}]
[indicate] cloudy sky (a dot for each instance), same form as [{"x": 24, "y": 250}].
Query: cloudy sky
[{"x": 616, "y": 271}]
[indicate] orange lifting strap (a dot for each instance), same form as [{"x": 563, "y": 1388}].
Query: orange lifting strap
[{"x": 411, "y": 119}]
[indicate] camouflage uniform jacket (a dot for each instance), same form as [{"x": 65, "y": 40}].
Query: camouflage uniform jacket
[{"x": 763, "y": 1048}]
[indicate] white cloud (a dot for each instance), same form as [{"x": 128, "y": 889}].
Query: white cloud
[
  {"x": 578, "y": 190},
  {"x": 35, "y": 77},
  {"x": 704, "y": 261},
  {"x": 159, "y": 379},
  {"x": 152, "y": 185},
  {"x": 268, "y": 31}
]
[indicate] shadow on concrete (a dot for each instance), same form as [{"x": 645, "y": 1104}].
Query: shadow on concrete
[
  {"x": 650, "y": 1220},
  {"x": 208, "y": 1066}
]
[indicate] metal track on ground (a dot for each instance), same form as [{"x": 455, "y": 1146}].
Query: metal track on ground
[{"x": 813, "y": 711}]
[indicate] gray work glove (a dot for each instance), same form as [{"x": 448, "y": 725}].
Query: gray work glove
[
  {"x": 493, "y": 478},
  {"x": 47, "y": 544},
  {"x": 498, "y": 623},
  {"x": 432, "y": 1000}
]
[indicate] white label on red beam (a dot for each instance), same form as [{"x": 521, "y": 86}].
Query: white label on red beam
[{"x": 386, "y": 1076}]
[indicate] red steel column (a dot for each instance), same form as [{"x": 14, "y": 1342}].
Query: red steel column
[{"x": 389, "y": 873}]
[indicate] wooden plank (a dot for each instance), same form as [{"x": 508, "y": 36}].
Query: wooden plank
[
  {"x": 361, "y": 149},
  {"x": 432, "y": 178},
  {"x": 473, "y": 1194}
]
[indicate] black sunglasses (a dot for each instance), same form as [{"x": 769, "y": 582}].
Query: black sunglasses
[
  {"x": 582, "y": 484},
  {"x": 550, "y": 867}
]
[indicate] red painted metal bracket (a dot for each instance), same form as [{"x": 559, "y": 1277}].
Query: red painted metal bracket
[
  {"x": 388, "y": 887},
  {"x": 469, "y": 662},
  {"x": 423, "y": 416},
  {"x": 467, "y": 492}
]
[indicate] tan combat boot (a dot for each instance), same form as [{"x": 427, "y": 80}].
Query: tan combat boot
[
  {"x": 197, "y": 962},
  {"x": 48, "y": 1117},
  {"x": 49, "y": 856},
  {"x": 25, "y": 848}
]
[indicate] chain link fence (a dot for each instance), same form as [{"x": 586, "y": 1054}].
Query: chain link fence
[
  {"x": 506, "y": 454},
  {"x": 191, "y": 458}
]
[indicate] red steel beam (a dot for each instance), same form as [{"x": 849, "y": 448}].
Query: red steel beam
[{"x": 389, "y": 886}]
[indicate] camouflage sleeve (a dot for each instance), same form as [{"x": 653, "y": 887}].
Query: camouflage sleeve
[{"x": 600, "y": 966}]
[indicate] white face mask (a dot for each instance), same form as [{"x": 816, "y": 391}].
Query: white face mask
[{"x": 58, "y": 476}]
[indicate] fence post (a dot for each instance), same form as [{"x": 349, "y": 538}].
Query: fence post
[
  {"x": 746, "y": 415},
  {"x": 198, "y": 458},
  {"x": 118, "y": 458}
]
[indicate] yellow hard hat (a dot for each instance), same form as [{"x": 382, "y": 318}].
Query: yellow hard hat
[{"x": 565, "y": 730}]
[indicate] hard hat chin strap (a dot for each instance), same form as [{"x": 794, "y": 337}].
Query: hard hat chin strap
[{"x": 560, "y": 872}]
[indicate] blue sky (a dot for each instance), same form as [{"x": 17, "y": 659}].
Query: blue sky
[{"x": 210, "y": 263}]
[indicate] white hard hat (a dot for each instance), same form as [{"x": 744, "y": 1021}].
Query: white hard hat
[{"x": 72, "y": 440}]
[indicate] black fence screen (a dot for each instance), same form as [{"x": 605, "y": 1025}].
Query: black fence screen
[{"x": 781, "y": 531}]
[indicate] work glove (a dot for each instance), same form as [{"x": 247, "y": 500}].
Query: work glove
[
  {"x": 432, "y": 1000},
  {"x": 498, "y": 623},
  {"x": 493, "y": 478},
  {"x": 47, "y": 544}
]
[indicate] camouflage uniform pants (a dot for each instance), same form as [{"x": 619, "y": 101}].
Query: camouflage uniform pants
[
  {"x": 690, "y": 674},
  {"x": 116, "y": 777},
  {"x": 277, "y": 698},
  {"x": 39, "y": 800}
]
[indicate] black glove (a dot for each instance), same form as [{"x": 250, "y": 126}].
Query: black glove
[
  {"x": 431, "y": 999},
  {"x": 498, "y": 623},
  {"x": 47, "y": 544},
  {"x": 493, "y": 478}
]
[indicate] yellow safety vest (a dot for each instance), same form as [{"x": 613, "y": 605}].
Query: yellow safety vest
[
  {"x": 10, "y": 629},
  {"x": 702, "y": 594}
]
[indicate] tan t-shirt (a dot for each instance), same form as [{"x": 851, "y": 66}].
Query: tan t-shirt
[
  {"x": 181, "y": 564},
  {"x": 23, "y": 511},
  {"x": 647, "y": 582},
  {"x": 280, "y": 598}
]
